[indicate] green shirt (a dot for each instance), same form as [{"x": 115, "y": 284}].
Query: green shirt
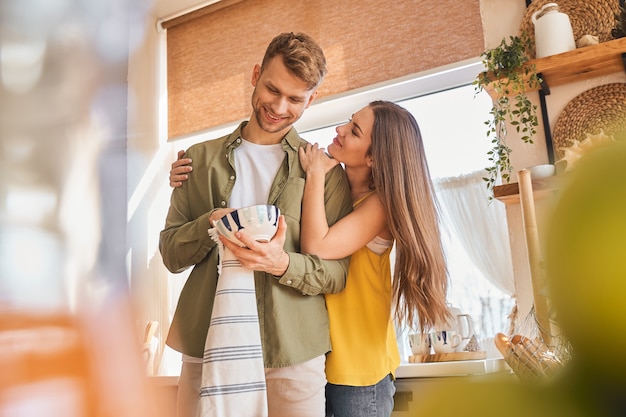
[{"x": 292, "y": 311}]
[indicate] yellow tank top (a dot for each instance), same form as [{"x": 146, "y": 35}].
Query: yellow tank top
[{"x": 364, "y": 347}]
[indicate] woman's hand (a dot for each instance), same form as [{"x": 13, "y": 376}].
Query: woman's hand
[
  {"x": 180, "y": 169},
  {"x": 313, "y": 158}
]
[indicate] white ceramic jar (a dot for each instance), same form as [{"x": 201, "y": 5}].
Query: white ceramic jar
[{"x": 553, "y": 31}]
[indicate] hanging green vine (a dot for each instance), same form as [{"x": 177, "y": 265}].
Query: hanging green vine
[{"x": 509, "y": 75}]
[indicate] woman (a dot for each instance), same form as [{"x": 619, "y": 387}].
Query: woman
[{"x": 383, "y": 155}]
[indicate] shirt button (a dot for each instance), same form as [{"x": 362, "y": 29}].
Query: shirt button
[
  {"x": 288, "y": 282},
  {"x": 238, "y": 140},
  {"x": 232, "y": 177},
  {"x": 223, "y": 203}
]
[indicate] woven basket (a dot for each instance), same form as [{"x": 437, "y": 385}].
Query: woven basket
[
  {"x": 602, "y": 107},
  {"x": 588, "y": 17}
]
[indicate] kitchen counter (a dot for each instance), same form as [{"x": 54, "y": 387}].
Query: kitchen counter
[
  {"x": 451, "y": 368},
  {"x": 414, "y": 381},
  {"x": 410, "y": 370},
  {"x": 417, "y": 382}
]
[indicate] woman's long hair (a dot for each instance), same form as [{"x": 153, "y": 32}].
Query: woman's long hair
[{"x": 402, "y": 180}]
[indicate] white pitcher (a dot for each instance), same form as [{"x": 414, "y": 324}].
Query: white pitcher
[
  {"x": 462, "y": 324},
  {"x": 553, "y": 31}
]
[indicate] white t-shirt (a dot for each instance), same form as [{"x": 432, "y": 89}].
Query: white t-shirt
[{"x": 256, "y": 167}]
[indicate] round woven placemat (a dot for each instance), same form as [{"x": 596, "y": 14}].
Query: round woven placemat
[
  {"x": 588, "y": 17},
  {"x": 602, "y": 107}
]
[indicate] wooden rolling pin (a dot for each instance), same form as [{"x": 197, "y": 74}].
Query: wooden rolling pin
[{"x": 534, "y": 254}]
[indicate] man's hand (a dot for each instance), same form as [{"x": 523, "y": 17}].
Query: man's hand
[
  {"x": 269, "y": 256},
  {"x": 218, "y": 214},
  {"x": 180, "y": 169}
]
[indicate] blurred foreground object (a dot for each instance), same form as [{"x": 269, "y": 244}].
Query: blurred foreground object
[
  {"x": 587, "y": 276},
  {"x": 67, "y": 342},
  {"x": 586, "y": 279},
  {"x": 71, "y": 365}
]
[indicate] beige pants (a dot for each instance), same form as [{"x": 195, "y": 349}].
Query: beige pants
[{"x": 292, "y": 391}]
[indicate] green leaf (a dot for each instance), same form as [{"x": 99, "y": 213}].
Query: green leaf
[{"x": 506, "y": 70}]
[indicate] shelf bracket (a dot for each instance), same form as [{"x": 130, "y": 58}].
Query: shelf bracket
[
  {"x": 545, "y": 88},
  {"x": 543, "y": 92}
]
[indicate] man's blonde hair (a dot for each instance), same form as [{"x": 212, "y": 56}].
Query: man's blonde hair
[{"x": 301, "y": 55}]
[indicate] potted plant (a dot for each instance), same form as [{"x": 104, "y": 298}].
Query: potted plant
[
  {"x": 508, "y": 76},
  {"x": 619, "y": 31}
]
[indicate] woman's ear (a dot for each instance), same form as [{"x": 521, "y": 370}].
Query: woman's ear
[{"x": 369, "y": 161}]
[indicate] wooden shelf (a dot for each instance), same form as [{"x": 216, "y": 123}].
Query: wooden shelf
[
  {"x": 590, "y": 61},
  {"x": 544, "y": 187}
]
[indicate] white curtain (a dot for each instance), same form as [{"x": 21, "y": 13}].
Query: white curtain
[{"x": 480, "y": 224}]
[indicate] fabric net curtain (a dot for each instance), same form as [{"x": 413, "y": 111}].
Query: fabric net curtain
[{"x": 481, "y": 226}]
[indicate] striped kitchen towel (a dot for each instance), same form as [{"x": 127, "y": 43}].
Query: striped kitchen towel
[{"x": 233, "y": 375}]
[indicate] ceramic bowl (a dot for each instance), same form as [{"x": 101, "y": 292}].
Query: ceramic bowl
[
  {"x": 259, "y": 222},
  {"x": 541, "y": 171}
]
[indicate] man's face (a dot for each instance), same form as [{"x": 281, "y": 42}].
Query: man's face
[{"x": 279, "y": 97}]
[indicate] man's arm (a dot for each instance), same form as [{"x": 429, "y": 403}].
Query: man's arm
[
  {"x": 311, "y": 274},
  {"x": 185, "y": 241}
]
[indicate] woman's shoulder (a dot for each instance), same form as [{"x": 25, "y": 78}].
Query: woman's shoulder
[
  {"x": 369, "y": 208},
  {"x": 362, "y": 197}
]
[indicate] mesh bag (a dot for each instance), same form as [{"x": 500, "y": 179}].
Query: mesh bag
[{"x": 530, "y": 354}]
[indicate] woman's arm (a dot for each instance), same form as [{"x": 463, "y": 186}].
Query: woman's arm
[
  {"x": 313, "y": 224},
  {"x": 347, "y": 235}
]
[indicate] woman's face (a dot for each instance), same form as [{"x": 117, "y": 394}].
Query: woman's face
[{"x": 352, "y": 144}]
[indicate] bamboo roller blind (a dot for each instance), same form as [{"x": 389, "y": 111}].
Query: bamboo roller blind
[{"x": 210, "y": 57}]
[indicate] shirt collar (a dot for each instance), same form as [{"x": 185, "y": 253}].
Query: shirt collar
[{"x": 292, "y": 138}]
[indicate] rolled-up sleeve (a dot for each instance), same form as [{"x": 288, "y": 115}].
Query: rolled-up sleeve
[
  {"x": 310, "y": 274},
  {"x": 185, "y": 245}
]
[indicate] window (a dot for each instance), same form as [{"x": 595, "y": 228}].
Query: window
[{"x": 451, "y": 123}]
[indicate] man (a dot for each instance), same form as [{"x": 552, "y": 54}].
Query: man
[{"x": 258, "y": 164}]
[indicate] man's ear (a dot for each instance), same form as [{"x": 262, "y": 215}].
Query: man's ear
[
  {"x": 311, "y": 98},
  {"x": 256, "y": 73}
]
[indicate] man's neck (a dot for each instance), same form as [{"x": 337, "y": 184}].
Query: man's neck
[{"x": 252, "y": 132}]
